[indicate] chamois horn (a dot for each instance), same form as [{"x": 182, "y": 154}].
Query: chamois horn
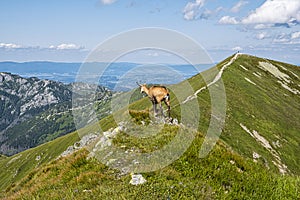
[{"x": 138, "y": 84}]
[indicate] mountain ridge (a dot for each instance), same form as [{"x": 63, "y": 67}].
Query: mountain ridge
[
  {"x": 35, "y": 111},
  {"x": 279, "y": 126},
  {"x": 260, "y": 135}
]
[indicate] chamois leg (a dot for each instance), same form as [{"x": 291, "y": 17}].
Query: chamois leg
[
  {"x": 161, "y": 110},
  {"x": 169, "y": 108},
  {"x": 154, "y": 108}
]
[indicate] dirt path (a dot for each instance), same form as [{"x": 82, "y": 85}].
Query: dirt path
[{"x": 216, "y": 79}]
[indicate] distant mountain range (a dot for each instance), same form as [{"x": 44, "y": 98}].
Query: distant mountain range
[{"x": 113, "y": 74}]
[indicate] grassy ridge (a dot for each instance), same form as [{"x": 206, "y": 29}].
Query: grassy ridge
[
  {"x": 228, "y": 172},
  {"x": 265, "y": 107},
  {"x": 222, "y": 175}
]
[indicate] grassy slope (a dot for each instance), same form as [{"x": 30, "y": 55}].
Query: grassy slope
[
  {"x": 265, "y": 107},
  {"x": 16, "y": 167},
  {"x": 223, "y": 174},
  {"x": 2, "y": 157}
]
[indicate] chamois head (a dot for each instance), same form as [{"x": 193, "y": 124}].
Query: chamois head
[{"x": 143, "y": 87}]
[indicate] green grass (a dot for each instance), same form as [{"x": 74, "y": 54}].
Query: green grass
[
  {"x": 14, "y": 168},
  {"x": 228, "y": 172},
  {"x": 222, "y": 175},
  {"x": 265, "y": 107},
  {"x": 2, "y": 157}
]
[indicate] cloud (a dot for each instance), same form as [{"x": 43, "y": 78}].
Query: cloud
[
  {"x": 66, "y": 47},
  {"x": 195, "y": 10},
  {"x": 295, "y": 35},
  {"x": 10, "y": 46},
  {"x": 108, "y": 2},
  {"x": 63, "y": 46},
  {"x": 263, "y": 26},
  {"x": 191, "y": 10},
  {"x": 272, "y": 13},
  {"x": 206, "y": 14},
  {"x": 228, "y": 20},
  {"x": 282, "y": 38},
  {"x": 237, "y": 7},
  {"x": 237, "y": 48},
  {"x": 261, "y": 36},
  {"x": 275, "y": 12},
  {"x": 291, "y": 38}
]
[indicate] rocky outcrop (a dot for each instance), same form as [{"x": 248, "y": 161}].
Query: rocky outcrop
[
  {"x": 21, "y": 98},
  {"x": 34, "y": 111}
]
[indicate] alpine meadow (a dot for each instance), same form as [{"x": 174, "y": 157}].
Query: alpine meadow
[{"x": 256, "y": 156}]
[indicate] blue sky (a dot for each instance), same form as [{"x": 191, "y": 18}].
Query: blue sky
[{"x": 67, "y": 30}]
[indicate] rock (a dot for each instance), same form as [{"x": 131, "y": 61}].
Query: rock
[
  {"x": 255, "y": 155},
  {"x": 137, "y": 179},
  {"x": 103, "y": 142},
  {"x": 68, "y": 151},
  {"x": 38, "y": 158},
  {"x": 175, "y": 121},
  {"x": 85, "y": 140}
]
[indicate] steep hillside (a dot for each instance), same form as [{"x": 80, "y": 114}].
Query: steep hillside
[
  {"x": 263, "y": 112},
  {"x": 22, "y": 98},
  {"x": 14, "y": 168},
  {"x": 223, "y": 174},
  {"x": 2, "y": 157},
  {"x": 259, "y": 142},
  {"x": 262, "y": 109},
  {"x": 35, "y": 111}
]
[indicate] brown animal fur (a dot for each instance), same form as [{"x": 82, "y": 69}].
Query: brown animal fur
[{"x": 157, "y": 94}]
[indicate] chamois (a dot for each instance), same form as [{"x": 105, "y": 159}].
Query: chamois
[{"x": 157, "y": 94}]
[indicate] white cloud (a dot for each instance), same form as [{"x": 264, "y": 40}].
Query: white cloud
[
  {"x": 295, "y": 35},
  {"x": 262, "y": 26},
  {"x": 63, "y": 46},
  {"x": 291, "y": 38},
  {"x": 275, "y": 12},
  {"x": 228, "y": 20},
  {"x": 272, "y": 13},
  {"x": 261, "y": 36},
  {"x": 66, "y": 47},
  {"x": 206, "y": 14},
  {"x": 10, "y": 46},
  {"x": 237, "y": 7},
  {"x": 237, "y": 48},
  {"x": 282, "y": 38},
  {"x": 107, "y": 2},
  {"x": 191, "y": 10}
]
